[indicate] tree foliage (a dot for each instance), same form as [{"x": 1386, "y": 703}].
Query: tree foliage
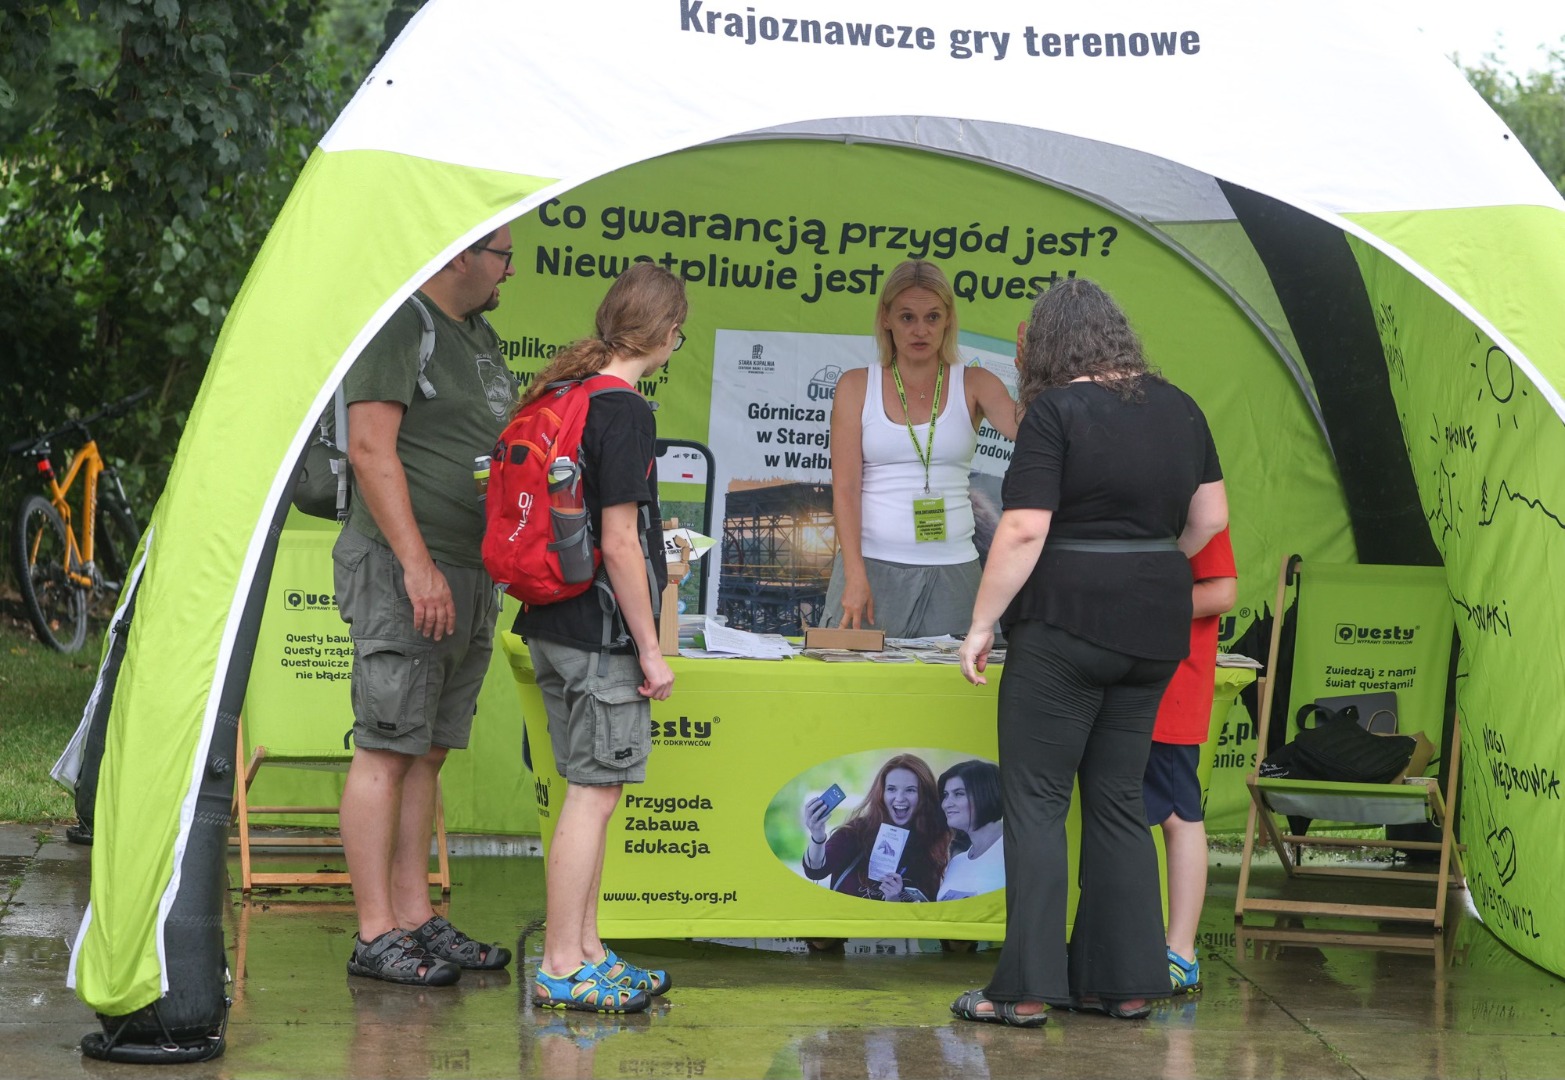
[
  {"x": 147, "y": 147},
  {"x": 1532, "y": 106}
]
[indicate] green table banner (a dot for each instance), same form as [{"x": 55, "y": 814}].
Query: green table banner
[{"x": 711, "y": 845}]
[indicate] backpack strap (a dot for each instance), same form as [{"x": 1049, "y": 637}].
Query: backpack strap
[
  {"x": 607, "y": 603},
  {"x": 337, "y": 438},
  {"x": 426, "y": 345}
]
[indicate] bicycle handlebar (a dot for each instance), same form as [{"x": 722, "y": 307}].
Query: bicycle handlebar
[{"x": 109, "y": 412}]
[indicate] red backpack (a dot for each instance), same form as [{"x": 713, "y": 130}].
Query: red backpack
[{"x": 538, "y": 539}]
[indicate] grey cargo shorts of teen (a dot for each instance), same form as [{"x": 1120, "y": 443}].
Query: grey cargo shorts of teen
[
  {"x": 411, "y": 692},
  {"x": 599, "y": 723}
]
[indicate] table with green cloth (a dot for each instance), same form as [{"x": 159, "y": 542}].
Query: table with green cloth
[{"x": 712, "y": 844}]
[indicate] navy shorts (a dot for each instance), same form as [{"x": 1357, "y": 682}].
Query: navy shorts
[{"x": 1171, "y": 785}]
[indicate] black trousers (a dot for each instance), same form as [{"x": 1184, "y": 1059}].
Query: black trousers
[{"x": 1069, "y": 711}]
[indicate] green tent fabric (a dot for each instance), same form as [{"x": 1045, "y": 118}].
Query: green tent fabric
[{"x": 1320, "y": 185}]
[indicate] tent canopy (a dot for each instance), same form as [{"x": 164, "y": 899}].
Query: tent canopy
[{"x": 1335, "y": 198}]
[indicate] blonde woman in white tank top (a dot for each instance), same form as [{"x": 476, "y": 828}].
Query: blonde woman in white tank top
[{"x": 903, "y": 435}]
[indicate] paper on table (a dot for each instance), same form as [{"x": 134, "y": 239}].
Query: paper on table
[
  {"x": 943, "y": 641},
  {"x": 996, "y": 656},
  {"x": 1233, "y": 659},
  {"x": 730, "y": 642},
  {"x": 885, "y": 857},
  {"x": 850, "y": 656},
  {"x": 689, "y": 652}
]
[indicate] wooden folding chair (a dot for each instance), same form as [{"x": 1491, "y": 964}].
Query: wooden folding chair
[
  {"x": 325, "y": 760},
  {"x": 1369, "y": 608}
]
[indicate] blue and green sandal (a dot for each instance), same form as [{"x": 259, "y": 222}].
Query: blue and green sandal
[
  {"x": 1185, "y": 975},
  {"x": 624, "y": 973},
  {"x": 587, "y": 990}
]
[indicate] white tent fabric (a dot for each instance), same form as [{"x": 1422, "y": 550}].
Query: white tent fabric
[{"x": 1329, "y": 108}]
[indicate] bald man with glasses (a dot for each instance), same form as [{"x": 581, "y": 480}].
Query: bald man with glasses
[{"x": 420, "y": 608}]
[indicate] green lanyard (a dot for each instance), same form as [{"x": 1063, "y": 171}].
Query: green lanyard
[{"x": 925, "y": 454}]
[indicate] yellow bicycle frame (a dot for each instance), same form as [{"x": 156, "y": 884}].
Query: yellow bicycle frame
[{"x": 77, "y": 554}]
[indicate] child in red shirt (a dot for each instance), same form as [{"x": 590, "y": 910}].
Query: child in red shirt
[{"x": 1171, "y": 788}]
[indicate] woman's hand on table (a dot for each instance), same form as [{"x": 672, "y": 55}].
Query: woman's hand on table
[
  {"x": 858, "y": 604},
  {"x": 975, "y": 655}
]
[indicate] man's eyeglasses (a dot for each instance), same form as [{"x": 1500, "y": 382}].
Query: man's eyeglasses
[
  {"x": 503, "y": 252},
  {"x": 679, "y": 340}
]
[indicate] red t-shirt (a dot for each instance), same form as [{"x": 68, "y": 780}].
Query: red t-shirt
[{"x": 1185, "y": 715}]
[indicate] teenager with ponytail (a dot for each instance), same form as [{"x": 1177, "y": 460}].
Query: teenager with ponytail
[{"x": 599, "y": 700}]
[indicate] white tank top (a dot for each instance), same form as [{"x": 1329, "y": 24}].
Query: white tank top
[{"x": 894, "y": 477}]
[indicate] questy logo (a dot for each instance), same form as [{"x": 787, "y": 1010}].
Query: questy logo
[
  {"x": 823, "y": 384},
  {"x": 306, "y": 600},
  {"x": 684, "y": 731},
  {"x": 1356, "y": 634}
]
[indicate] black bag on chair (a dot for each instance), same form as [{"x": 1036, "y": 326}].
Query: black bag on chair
[
  {"x": 1336, "y": 748},
  {"x": 1375, "y": 712}
]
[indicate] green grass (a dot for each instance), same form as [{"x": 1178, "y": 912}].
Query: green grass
[{"x": 42, "y": 694}]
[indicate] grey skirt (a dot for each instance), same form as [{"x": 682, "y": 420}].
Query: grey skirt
[{"x": 911, "y": 601}]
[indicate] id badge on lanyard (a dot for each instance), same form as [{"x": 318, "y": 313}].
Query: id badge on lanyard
[
  {"x": 929, "y": 518},
  {"x": 929, "y": 511}
]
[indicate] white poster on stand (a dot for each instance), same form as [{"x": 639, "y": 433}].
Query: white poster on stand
[{"x": 772, "y": 395}]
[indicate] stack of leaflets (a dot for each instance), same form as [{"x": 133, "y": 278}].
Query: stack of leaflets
[
  {"x": 719, "y": 642},
  {"x": 850, "y": 656},
  {"x": 939, "y": 650}
]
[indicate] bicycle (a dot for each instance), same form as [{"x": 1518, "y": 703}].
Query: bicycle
[{"x": 62, "y": 577}]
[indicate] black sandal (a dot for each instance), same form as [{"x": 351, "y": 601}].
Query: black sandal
[
  {"x": 395, "y": 957},
  {"x": 1118, "y": 1009},
  {"x": 440, "y": 939},
  {"x": 1003, "y": 1012}
]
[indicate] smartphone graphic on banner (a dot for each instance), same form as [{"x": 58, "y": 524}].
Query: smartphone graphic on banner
[{"x": 833, "y": 797}]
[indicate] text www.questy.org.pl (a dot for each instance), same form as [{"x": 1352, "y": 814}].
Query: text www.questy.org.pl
[{"x": 675, "y": 896}]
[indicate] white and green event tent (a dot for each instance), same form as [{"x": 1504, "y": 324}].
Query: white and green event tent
[{"x": 1317, "y": 227}]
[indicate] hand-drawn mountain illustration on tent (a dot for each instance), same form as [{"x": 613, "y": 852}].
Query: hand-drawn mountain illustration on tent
[{"x": 1318, "y": 228}]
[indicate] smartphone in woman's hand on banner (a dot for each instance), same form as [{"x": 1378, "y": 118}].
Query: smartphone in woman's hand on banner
[{"x": 832, "y": 797}]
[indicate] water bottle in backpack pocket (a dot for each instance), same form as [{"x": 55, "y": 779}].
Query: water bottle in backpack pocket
[{"x": 572, "y": 541}]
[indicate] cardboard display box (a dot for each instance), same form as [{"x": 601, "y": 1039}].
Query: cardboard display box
[{"x": 823, "y": 637}]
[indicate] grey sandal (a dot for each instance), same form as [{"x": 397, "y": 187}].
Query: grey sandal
[
  {"x": 1117, "y": 1008},
  {"x": 395, "y": 957},
  {"x": 1002, "y": 1012},
  {"x": 440, "y": 939}
]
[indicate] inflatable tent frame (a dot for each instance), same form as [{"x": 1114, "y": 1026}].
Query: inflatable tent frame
[{"x": 1399, "y": 240}]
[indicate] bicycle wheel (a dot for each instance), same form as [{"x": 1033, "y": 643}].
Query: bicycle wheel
[
  {"x": 57, "y": 608},
  {"x": 113, "y": 544}
]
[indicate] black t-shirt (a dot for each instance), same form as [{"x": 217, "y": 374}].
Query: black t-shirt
[
  {"x": 1111, "y": 469},
  {"x": 619, "y": 465}
]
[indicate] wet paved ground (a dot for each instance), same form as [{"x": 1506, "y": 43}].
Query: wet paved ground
[{"x": 1470, "y": 1009}]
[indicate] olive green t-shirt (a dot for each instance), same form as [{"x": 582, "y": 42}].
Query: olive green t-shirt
[{"x": 439, "y": 436}]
